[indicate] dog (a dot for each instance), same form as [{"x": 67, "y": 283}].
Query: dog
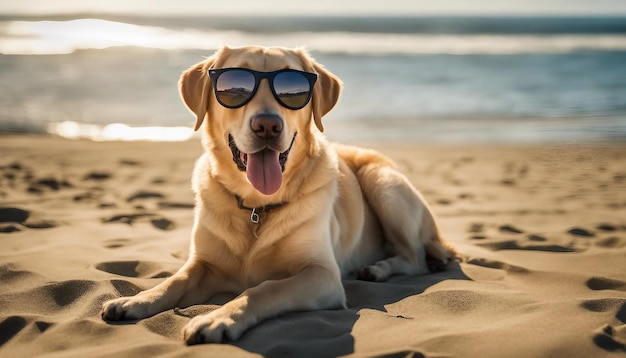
[{"x": 281, "y": 214}]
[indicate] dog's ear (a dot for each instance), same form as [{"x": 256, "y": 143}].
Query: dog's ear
[
  {"x": 195, "y": 88},
  {"x": 325, "y": 93}
]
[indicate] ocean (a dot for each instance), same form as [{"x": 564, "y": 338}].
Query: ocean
[{"x": 415, "y": 79}]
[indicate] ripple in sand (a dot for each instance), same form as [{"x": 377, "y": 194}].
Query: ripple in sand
[
  {"x": 611, "y": 242},
  {"x": 173, "y": 205},
  {"x": 47, "y": 184},
  {"x": 11, "y": 326},
  {"x": 478, "y": 237},
  {"x": 535, "y": 237},
  {"x": 125, "y": 288},
  {"x": 510, "y": 229},
  {"x": 515, "y": 245},
  {"x": 43, "y": 326},
  {"x": 66, "y": 292},
  {"x": 7, "y": 229},
  {"x": 603, "y": 304},
  {"x": 144, "y": 269},
  {"x": 608, "y": 339},
  {"x": 606, "y": 227},
  {"x": 476, "y": 227},
  {"x": 497, "y": 265},
  {"x": 129, "y": 162},
  {"x": 576, "y": 231},
  {"x": 603, "y": 283},
  {"x": 116, "y": 243},
  {"x": 14, "y": 215},
  {"x": 122, "y": 268},
  {"x": 157, "y": 221},
  {"x": 163, "y": 224},
  {"x": 22, "y": 217},
  {"x": 145, "y": 195},
  {"x": 8, "y": 273},
  {"x": 97, "y": 176}
]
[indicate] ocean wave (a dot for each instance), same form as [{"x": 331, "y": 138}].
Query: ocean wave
[
  {"x": 602, "y": 129},
  {"x": 119, "y": 132},
  {"x": 65, "y": 37}
]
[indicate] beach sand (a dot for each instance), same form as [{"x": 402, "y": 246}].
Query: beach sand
[{"x": 543, "y": 229}]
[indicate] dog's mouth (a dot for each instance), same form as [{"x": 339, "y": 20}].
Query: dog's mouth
[{"x": 264, "y": 168}]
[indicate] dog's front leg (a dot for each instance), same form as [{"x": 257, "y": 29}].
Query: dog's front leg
[
  {"x": 314, "y": 287},
  {"x": 184, "y": 287}
]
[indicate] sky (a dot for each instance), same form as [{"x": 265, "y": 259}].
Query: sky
[{"x": 318, "y": 7}]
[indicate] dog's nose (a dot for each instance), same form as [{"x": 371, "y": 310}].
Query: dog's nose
[{"x": 267, "y": 125}]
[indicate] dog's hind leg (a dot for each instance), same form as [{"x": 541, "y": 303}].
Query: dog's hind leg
[{"x": 407, "y": 222}]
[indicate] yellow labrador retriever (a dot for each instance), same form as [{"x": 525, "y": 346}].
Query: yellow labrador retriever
[{"x": 282, "y": 215}]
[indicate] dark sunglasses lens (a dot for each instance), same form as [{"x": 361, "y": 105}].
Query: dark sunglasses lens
[
  {"x": 292, "y": 89},
  {"x": 234, "y": 87}
]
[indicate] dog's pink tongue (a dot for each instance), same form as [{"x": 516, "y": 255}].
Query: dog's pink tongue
[{"x": 264, "y": 171}]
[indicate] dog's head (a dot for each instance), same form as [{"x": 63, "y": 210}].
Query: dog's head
[{"x": 262, "y": 134}]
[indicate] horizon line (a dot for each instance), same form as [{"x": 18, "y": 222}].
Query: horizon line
[{"x": 320, "y": 14}]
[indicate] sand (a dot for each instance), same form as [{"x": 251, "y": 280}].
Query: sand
[{"x": 543, "y": 229}]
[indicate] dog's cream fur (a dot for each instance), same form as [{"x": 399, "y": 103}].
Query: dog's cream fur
[{"x": 345, "y": 210}]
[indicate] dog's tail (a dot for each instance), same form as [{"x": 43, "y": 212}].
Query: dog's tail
[
  {"x": 435, "y": 245},
  {"x": 442, "y": 250}
]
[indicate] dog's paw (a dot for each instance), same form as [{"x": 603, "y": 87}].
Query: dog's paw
[
  {"x": 371, "y": 273},
  {"x": 124, "y": 309},
  {"x": 216, "y": 327},
  {"x": 436, "y": 265}
]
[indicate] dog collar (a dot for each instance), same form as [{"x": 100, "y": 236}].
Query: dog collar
[{"x": 254, "y": 215}]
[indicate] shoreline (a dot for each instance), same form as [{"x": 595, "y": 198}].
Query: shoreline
[{"x": 449, "y": 131}]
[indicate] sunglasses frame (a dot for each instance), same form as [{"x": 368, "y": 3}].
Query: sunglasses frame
[{"x": 215, "y": 73}]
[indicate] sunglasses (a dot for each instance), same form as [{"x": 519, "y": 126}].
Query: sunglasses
[{"x": 234, "y": 87}]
